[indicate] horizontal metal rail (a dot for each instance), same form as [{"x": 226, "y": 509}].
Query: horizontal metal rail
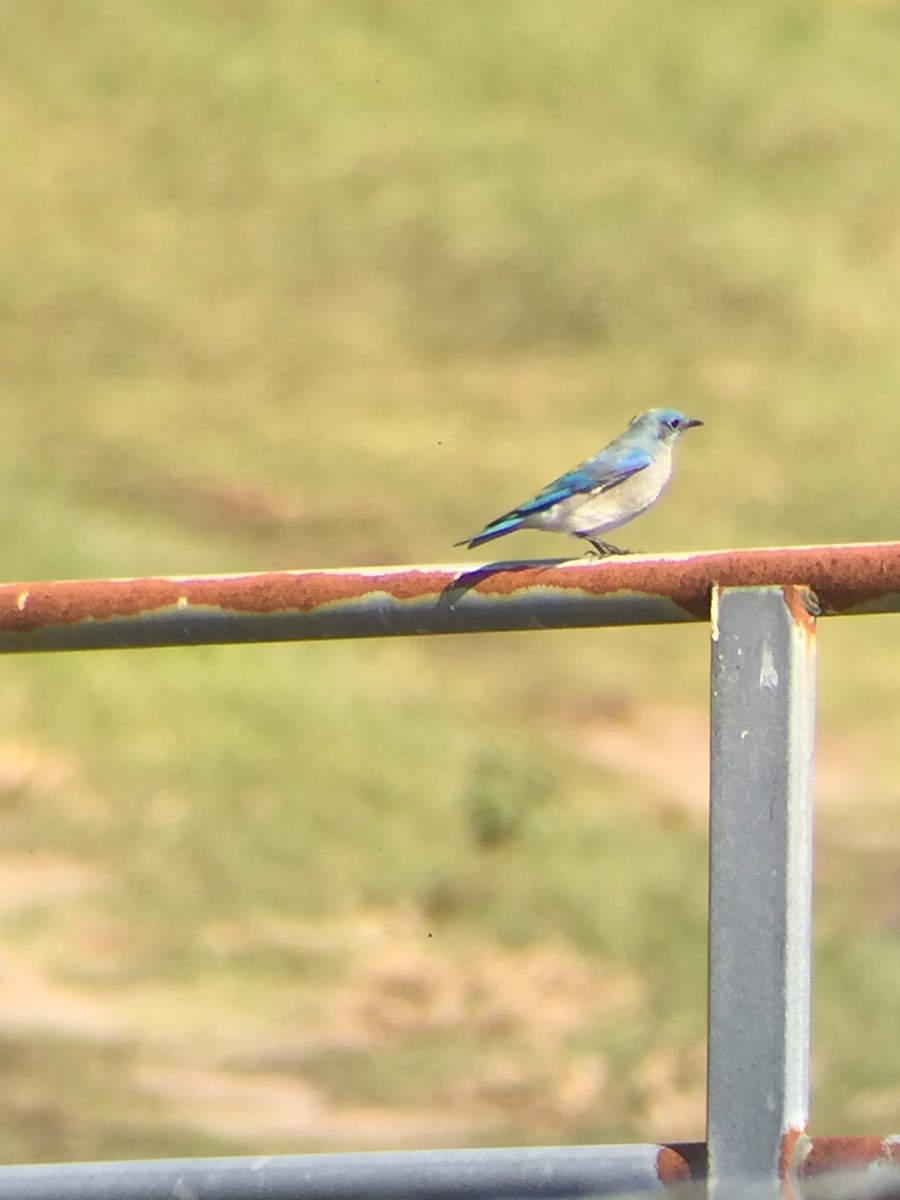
[
  {"x": 276, "y": 606},
  {"x": 529, "y": 1173},
  {"x": 861, "y": 1168}
]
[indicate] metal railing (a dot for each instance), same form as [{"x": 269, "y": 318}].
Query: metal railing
[{"x": 762, "y": 606}]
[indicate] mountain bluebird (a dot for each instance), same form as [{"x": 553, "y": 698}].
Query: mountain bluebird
[{"x": 613, "y": 487}]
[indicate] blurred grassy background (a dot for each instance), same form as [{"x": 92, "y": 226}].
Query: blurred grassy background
[{"x": 298, "y": 284}]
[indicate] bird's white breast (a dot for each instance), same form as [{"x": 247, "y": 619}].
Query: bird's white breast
[{"x": 594, "y": 512}]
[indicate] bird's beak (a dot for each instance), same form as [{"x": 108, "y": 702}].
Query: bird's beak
[{"x": 692, "y": 423}]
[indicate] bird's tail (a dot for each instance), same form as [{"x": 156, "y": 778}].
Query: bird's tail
[{"x": 496, "y": 529}]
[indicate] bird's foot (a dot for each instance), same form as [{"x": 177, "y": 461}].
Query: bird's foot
[{"x": 603, "y": 549}]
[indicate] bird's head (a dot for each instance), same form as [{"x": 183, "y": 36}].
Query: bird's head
[{"x": 664, "y": 424}]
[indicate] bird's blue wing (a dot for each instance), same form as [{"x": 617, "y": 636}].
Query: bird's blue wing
[
  {"x": 605, "y": 470},
  {"x": 601, "y": 473}
]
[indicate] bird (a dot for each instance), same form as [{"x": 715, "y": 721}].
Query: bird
[{"x": 603, "y": 492}]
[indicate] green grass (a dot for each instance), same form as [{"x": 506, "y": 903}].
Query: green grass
[{"x": 300, "y": 284}]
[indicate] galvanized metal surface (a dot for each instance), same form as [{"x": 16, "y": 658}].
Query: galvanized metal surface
[
  {"x": 861, "y": 1168},
  {"x": 760, "y": 883},
  {"x": 382, "y": 602},
  {"x": 533, "y": 1173}
]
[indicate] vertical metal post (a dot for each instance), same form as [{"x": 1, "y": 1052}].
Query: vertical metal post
[{"x": 760, "y": 889}]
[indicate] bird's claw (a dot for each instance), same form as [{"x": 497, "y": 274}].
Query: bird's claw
[{"x": 603, "y": 549}]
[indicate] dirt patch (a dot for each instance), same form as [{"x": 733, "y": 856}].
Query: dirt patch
[
  {"x": 405, "y": 983},
  {"x": 671, "y": 1081},
  {"x": 268, "y": 1106},
  {"x": 31, "y": 999},
  {"x": 667, "y": 749},
  {"x": 515, "y": 1013},
  {"x": 37, "y": 879}
]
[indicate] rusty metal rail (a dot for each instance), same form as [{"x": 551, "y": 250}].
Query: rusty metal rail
[
  {"x": 762, "y": 606},
  {"x": 101, "y": 614}
]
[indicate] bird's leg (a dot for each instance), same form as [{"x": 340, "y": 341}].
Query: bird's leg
[{"x": 602, "y": 549}]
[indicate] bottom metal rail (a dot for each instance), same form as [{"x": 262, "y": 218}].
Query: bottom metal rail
[
  {"x": 532, "y": 1173},
  {"x": 853, "y": 1168}
]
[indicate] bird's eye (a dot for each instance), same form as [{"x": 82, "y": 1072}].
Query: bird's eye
[{"x": 674, "y": 422}]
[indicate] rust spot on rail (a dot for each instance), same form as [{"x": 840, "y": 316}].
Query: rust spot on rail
[
  {"x": 830, "y": 1154},
  {"x": 792, "y": 1141},
  {"x": 803, "y": 607},
  {"x": 801, "y": 1158},
  {"x": 681, "y": 1162}
]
